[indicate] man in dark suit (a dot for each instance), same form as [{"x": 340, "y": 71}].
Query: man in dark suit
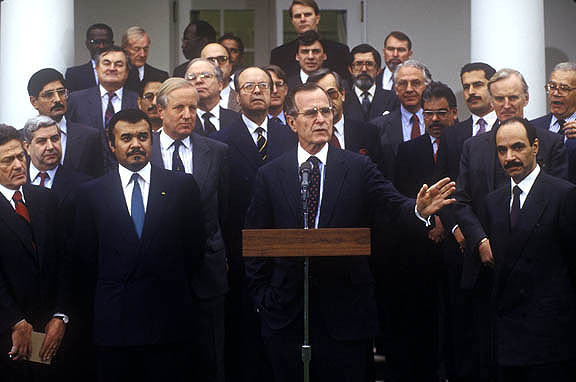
[
  {"x": 207, "y": 78},
  {"x": 176, "y": 148},
  {"x": 95, "y": 106},
  {"x": 367, "y": 101},
  {"x": 220, "y": 56},
  {"x": 305, "y": 16},
  {"x": 397, "y": 49},
  {"x": 278, "y": 93},
  {"x": 98, "y": 37},
  {"x": 474, "y": 78},
  {"x": 31, "y": 290},
  {"x": 195, "y": 37},
  {"x": 310, "y": 55},
  {"x": 138, "y": 243},
  {"x": 343, "y": 308},
  {"x": 530, "y": 223},
  {"x": 136, "y": 43},
  {"x": 253, "y": 141},
  {"x": 81, "y": 146}
]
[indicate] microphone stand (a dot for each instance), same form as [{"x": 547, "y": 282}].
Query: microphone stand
[{"x": 306, "y": 348}]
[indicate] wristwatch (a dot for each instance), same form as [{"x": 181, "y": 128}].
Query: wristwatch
[{"x": 64, "y": 319}]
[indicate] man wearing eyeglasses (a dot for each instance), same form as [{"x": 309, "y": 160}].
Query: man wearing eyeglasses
[
  {"x": 310, "y": 55},
  {"x": 253, "y": 141},
  {"x": 235, "y": 47},
  {"x": 366, "y": 100},
  {"x": 136, "y": 43},
  {"x": 218, "y": 55},
  {"x": 98, "y": 37},
  {"x": 81, "y": 146},
  {"x": 207, "y": 78},
  {"x": 147, "y": 102}
]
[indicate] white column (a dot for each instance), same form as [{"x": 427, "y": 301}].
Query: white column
[
  {"x": 510, "y": 34},
  {"x": 35, "y": 34}
]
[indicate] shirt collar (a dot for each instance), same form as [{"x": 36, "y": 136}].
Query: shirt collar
[
  {"x": 526, "y": 183},
  {"x": 490, "y": 119},
  {"x": 8, "y": 193},
  {"x": 126, "y": 174},
  {"x": 63, "y": 126},
  {"x": 141, "y": 73},
  {"x": 407, "y": 115},
  {"x": 303, "y": 76},
  {"x": 303, "y": 155},
  {"x": 340, "y": 126},
  {"x": 33, "y": 172},
  {"x": 104, "y": 92},
  {"x": 166, "y": 141},
  {"x": 225, "y": 92},
  {"x": 359, "y": 91},
  {"x": 570, "y": 118},
  {"x": 252, "y": 126}
]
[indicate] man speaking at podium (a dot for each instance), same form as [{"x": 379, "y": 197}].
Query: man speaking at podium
[{"x": 346, "y": 190}]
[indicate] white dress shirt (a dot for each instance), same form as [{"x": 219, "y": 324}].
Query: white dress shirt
[
  {"x": 252, "y": 126},
  {"x": 225, "y": 96},
  {"x": 35, "y": 176},
  {"x": 185, "y": 151},
  {"x": 215, "y": 118},
  {"x": 434, "y": 145},
  {"x": 407, "y": 123},
  {"x": 303, "y": 76},
  {"x": 490, "y": 119},
  {"x": 387, "y": 81},
  {"x": 63, "y": 137},
  {"x": 128, "y": 185},
  {"x": 141, "y": 72},
  {"x": 322, "y": 155},
  {"x": 525, "y": 185},
  {"x": 116, "y": 101},
  {"x": 339, "y": 132},
  {"x": 370, "y": 91}
]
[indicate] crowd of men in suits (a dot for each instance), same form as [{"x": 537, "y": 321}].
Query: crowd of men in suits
[{"x": 124, "y": 200}]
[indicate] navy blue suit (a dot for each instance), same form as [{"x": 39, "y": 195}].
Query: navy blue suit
[
  {"x": 84, "y": 151},
  {"x": 80, "y": 77},
  {"x": 450, "y": 147},
  {"x": 383, "y": 100},
  {"x": 150, "y": 74}
]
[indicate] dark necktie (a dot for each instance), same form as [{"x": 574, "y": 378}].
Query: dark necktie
[
  {"x": 365, "y": 103},
  {"x": 209, "y": 127},
  {"x": 20, "y": 207},
  {"x": 261, "y": 143},
  {"x": 415, "y": 133},
  {"x": 561, "y": 123},
  {"x": 313, "y": 191},
  {"x": 515, "y": 210},
  {"x": 277, "y": 120},
  {"x": 334, "y": 140},
  {"x": 137, "y": 205},
  {"x": 177, "y": 164},
  {"x": 43, "y": 176},
  {"x": 110, "y": 109},
  {"x": 482, "y": 126}
]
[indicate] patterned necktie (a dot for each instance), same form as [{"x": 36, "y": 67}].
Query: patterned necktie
[
  {"x": 334, "y": 140},
  {"x": 365, "y": 103},
  {"x": 20, "y": 207},
  {"x": 177, "y": 164},
  {"x": 137, "y": 205},
  {"x": 43, "y": 176},
  {"x": 313, "y": 191},
  {"x": 482, "y": 126},
  {"x": 209, "y": 127},
  {"x": 261, "y": 143},
  {"x": 515, "y": 210},
  {"x": 561, "y": 123},
  {"x": 110, "y": 109},
  {"x": 415, "y": 133}
]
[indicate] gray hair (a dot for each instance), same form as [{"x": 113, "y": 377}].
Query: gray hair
[
  {"x": 169, "y": 86},
  {"x": 33, "y": 124},
  {"x": 135, "y": 31},
  {"x": 217, "y": 70},
  {"x": 505, "y": 73},
  {"x": 414, "y": 64},
  {"x": 565, "y": 66}
]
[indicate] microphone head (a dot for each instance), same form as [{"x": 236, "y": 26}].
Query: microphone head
[{"x": 305, "y": 167}]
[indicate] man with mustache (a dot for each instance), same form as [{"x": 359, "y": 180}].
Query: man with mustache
[
  {"x": 397, "y": 49},
  {"x": 81, "y": 146},
  {"x": 147, "y": 102},
  {"x": 366, "y": 100},
  {"x": 207, "y": 78},
  {"x": 138, "y": 243},
  {"x": 310, "y": 55},
  {"x": 530, "y": 223}
]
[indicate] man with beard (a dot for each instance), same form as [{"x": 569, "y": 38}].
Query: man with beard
[
  {"x": 278, "y": 94},
  {"x": 195, "y": 37},
  {"x": 81, "y": 146},
  {"x": 367, "y": 101},
  {"x": 310, "y": 55},
  {"x": 147, "y": 102},
  {"x": 397, "y": 49}
]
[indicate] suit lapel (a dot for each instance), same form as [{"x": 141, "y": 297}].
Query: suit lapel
[
  {"x": 95, "y": 106},
  {"x": 201, "y": 160},
  {"x": 156, "y": 157},
  {"x": 334, "y": 176},
  {"x": 154, "y": 208},
  {"x": 243, "y": 141},
  {"x": 488, "y": 157},
  {"x": 16, "y": 224},
  {"x": 117, "y": 202},
  {"x": 290, "y": 184}
]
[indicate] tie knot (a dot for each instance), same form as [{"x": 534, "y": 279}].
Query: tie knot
[
  {"x": 177, "y": 143},
  {"x": 111, "y": 96},
  {"x": 44, "y": 175},
  {"x": 315, "y": 161},
  {"x": 482, "y": 122},
  {"x": 365, "y": 93},
  {"x": 516, "y": 190},
  {"x": 561, "y": 122},
  {"x": 414, "y": 118},
  {"x": 17, "y": 197},
  {"x": 207, "y": 115},
  {"x": 134, "y": 178},
  {"x": 259, "y": 130}
]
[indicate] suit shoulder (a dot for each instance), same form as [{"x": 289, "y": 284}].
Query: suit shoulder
[
  {"x": 542, "y": 122},
  {"x": 157, "y": 74},
  {"x": 558, "y": 184},
  {"x": 214, "y": 144}
]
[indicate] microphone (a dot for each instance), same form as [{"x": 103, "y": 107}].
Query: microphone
[{"x": 305, "y": 170}]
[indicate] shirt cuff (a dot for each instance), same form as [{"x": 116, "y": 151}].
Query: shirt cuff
[
  {"x": 62, "y": 315},
  {"x": 454, "y": 229},
  {"x": 426, "y": 221}
]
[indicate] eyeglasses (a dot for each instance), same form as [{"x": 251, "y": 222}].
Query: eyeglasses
[
  {"x": 149, "y": 97},
  {"x": 99, "y": 42},
  {"x": 199, "y": 76},
  {"x": 325, "y": 111},
  {"x": 360, "y": 64},
  {"x": 403, "y": 84},
  {"x": 249, "y": 87},
  {"x": 62, "y": 93},
  {"x": 218, "y": 60},
  {"x": 561, "y": 88},
  {"x": 441, "y": 113}
]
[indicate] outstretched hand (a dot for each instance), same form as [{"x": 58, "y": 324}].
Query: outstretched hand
[{"x": 431, "y": 199}]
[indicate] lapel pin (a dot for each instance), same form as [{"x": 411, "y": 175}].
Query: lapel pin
[{"x": 163, "y": 193}]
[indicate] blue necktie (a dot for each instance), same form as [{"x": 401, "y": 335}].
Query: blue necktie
[
  {"x": 177, "y": 165},
  {"x": 137, "y": 205}
]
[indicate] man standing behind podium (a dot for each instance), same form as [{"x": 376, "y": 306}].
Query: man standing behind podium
[
  {"x": 138, "y": 243},
  {"x": 346, "y": 189}
]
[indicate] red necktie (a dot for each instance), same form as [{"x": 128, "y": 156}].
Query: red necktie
[
  {"x": 109, "y": 110},
  {"x": 436, "y": 143},
  {"x": 43, "y": 176},
  {"x": 20, "y": 207},
  {"x": 415, "y": 133},
  {"x": 334, "y": 140}
]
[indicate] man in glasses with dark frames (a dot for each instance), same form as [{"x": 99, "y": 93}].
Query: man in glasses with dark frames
[
  {"x": 219, "y": 55},
  {"x": 310, "y": 55},
  {"x": 207, "y": 78},
  {"x": 98, "y": 37},
  {"x": 81, "y": 145},
  {"x": 350, "y": 192},
  {"x": 253, "y": 141},
  {"x": 147, "y": 102},
  {"x": 366, "y": 100}
]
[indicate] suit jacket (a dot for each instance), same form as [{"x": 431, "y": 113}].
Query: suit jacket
[
  {"x": 211, "y": 171},
  {"x": 542, "y": 122},
  {"x": 30, "y": 262},
  {"x": 383, "y": 101},
  {"x": 80, "y": 77},
  {"x": 450, "y": 147},
  {"x": 338, "y": 57},
  {"x": 142, "y": 287},
  {"x": 85, "y": 107},
  {"x": 84, "y": 150},
  {"x": 227, "y": 118},
  {"x": 354, "y": 191},
  {"x": 362, "y": 138},
  {"x": 150, "y": 74},
  {"x": 294, "y": 80},
  {"x": 180, "y": 70},
  {"x": 477, "y": 179},
  {"x": 415, "y": 166},
  {"x": 390, "y": 129},
  {"x": 534, "y": 290}
]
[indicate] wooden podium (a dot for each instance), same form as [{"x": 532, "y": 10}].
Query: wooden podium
[{"x": 306, "y": 243}]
